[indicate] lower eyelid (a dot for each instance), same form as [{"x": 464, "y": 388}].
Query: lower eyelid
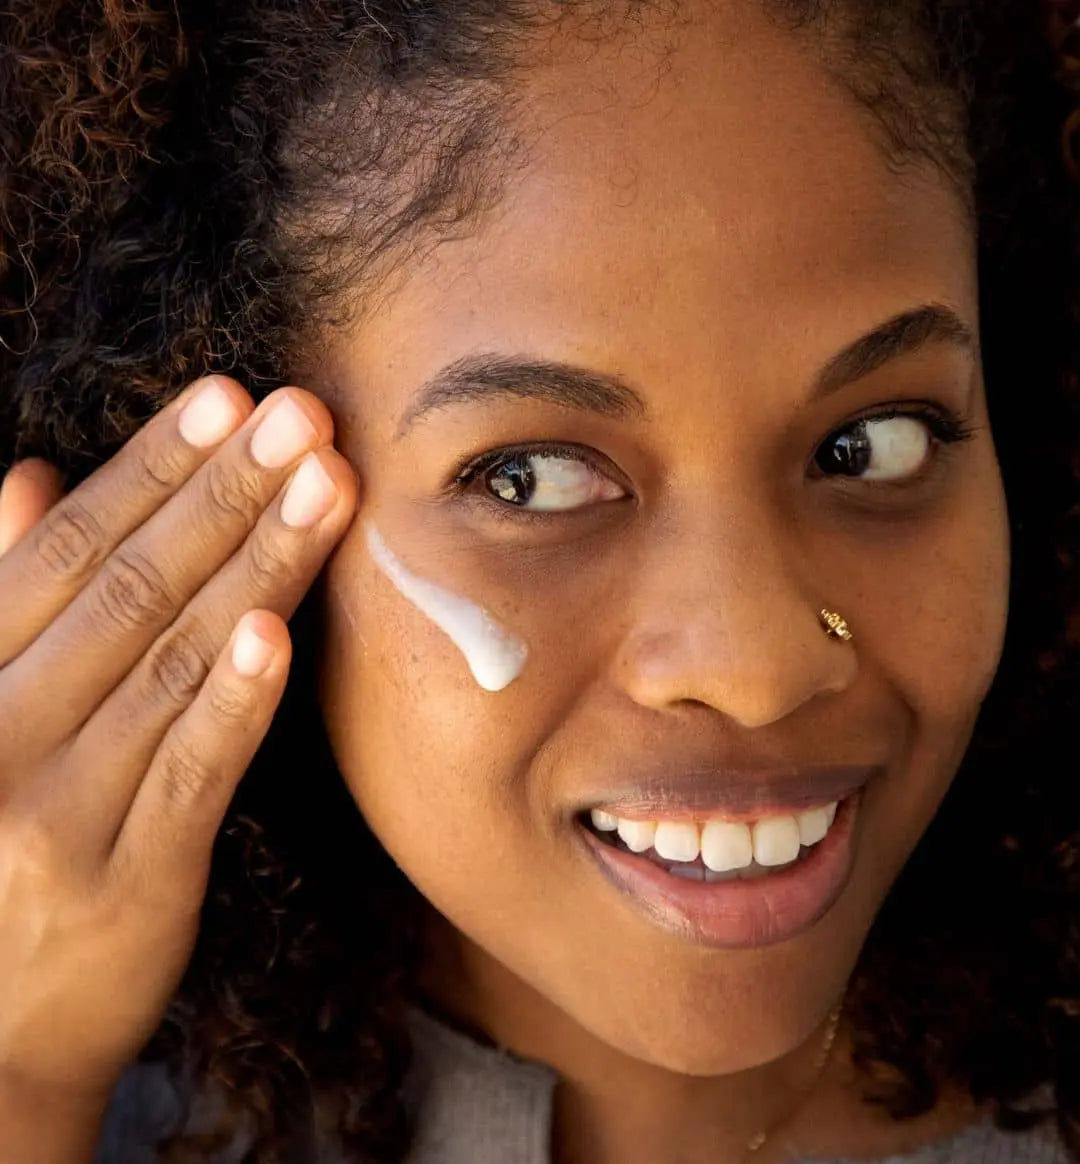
[{"x": 489, "y": 511}]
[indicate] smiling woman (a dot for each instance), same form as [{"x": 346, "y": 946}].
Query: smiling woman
[{"x": 669, "y": 767}]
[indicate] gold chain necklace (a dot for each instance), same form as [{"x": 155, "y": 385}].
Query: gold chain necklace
[{"x": 758, "y": 1139}]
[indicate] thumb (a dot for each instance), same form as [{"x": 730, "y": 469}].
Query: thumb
[{"x": 28, "y": 491}]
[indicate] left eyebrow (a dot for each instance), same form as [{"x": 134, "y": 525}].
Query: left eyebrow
[
  {"x": 902, "y": 335},
  {"x": 486, "y": 375}
]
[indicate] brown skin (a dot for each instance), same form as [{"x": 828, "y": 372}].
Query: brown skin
[
  {"x": 28, "y": 491},
  {"x": 632, "y": 242},
  {"x": 125, "y": 724},
  {"x": 714, "y": 232}
]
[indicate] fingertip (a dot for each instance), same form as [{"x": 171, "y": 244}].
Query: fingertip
[
  {"x": 345, "y": 476},
  {"x": 37, "y": 472},
  {"x": 314, "y": 408},
  {"x": 252, "y": 653},
  {"x": 28, "y": 490},
  {"x": 239, "y": 395},
  {"x": 261, "y": 638}
]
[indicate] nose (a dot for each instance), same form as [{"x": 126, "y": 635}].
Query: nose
[{"x": 730, "y": 620}]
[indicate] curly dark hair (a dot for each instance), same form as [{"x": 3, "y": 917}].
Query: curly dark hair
[{"x": 189, "y": 186}]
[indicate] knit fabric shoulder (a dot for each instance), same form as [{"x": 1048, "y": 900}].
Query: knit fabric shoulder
[{"x": 471, "y": 1103}]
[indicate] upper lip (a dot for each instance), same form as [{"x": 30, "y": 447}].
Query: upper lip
[{"x": 700, "y": 791}]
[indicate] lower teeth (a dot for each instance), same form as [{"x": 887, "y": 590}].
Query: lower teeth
[{"x": 698, "y": 873}]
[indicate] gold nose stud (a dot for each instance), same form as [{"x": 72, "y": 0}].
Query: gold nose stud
[{"x": 835, "y": 626}]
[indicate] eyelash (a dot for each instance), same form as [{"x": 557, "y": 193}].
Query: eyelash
[
  {"x": 944, "y": 425},
  {"x": 479, "y": 465}
]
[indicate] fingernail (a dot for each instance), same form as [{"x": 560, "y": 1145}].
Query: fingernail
[
  {"x": 209, "y": 416},
  {"x": 311, "y": 494},
  {"x": 251, "y": 655},
  {"x": 283, "y": 435}
]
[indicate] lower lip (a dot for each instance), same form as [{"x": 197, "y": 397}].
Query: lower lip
[{"x": 744, "y": 913}]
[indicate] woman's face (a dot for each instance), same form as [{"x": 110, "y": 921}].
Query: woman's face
[{"x": 702, "y": 262}]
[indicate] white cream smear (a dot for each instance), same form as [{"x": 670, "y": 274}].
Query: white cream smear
[{"x": 495, "y": 656}]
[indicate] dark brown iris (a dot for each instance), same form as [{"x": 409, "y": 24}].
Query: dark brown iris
[{"x": 847, "y": 453}]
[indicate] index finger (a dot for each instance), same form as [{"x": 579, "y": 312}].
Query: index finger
[{"x": 46, "y": 568}]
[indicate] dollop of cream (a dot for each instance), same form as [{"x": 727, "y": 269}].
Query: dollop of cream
[{"x": 495, "y": 656}]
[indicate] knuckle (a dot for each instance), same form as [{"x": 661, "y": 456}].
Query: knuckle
[
  {"x": 229, "y": 705},
  {"x": 70, "y": 540},
  {"x": 131, "y": 591},
  {"x": 178, "y": 665},
  {"x": 161, "y": 466},
  {"x": 233, "y": 493},
  {"x": 269, "y": 564},
  {"x": 183, "y": 775}
]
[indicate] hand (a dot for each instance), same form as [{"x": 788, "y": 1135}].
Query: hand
[{"x": 131, "y": 704}]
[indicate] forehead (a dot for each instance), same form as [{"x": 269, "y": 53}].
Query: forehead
[{"x": 703, "y": 192}]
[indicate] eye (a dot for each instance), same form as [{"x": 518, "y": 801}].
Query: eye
[
  {"x": 551, "y": 481},
  {"x": 886, "y": 448}
]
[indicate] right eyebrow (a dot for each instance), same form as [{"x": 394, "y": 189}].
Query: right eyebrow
[{"x": 486, "y": 375}]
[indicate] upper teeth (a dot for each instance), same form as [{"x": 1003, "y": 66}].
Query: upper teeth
[{"x": 723, "y": 844}]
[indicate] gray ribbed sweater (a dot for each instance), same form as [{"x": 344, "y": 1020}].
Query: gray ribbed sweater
[{"x": 478, "y": 1105}]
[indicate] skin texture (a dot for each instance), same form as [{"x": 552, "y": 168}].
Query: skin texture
[{"x": 713, "y": 224}]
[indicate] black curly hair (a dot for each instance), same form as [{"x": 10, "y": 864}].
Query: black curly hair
[{"x": 189, "y": 186}]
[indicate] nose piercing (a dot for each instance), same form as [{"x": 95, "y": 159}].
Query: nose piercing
[{"x": 834, "y": 625}]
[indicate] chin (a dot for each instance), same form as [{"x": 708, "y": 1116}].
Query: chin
[{"x": 688, "y": 1041}]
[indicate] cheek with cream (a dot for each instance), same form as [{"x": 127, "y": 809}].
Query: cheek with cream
[{"x": 495, "y": 656}]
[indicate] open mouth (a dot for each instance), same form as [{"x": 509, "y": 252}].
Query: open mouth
[
  {"x": 728, "y": 883},
  {"x": 695, "y": 870},
  {"x": 718, "y": 850}
]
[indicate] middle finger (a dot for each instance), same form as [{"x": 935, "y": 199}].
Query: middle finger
[{"x": 140, "y": 588}]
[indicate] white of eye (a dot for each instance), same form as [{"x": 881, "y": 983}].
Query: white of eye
[
  {"x": 898, "y": 447},
  {"x": 560, "y": 483}
]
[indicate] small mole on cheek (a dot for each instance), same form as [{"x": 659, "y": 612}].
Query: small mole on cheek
[{"x": 495, "y": 656}]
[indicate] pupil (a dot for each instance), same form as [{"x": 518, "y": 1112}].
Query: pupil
[
  {"x": 848, "y": 453},
  {"x": 512, "y": 481}
]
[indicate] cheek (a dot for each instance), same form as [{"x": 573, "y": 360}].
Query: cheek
[
  {"x": 935, "y": 622},
  {"x": 439, "y": 766},
  {"x": 494, "y": 655},
  {"x": 942, "y": 610}
]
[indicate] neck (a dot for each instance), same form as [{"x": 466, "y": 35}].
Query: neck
[
  {"x": 676, "y": 1118},
  {"x": 682, "y": 1119}
]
